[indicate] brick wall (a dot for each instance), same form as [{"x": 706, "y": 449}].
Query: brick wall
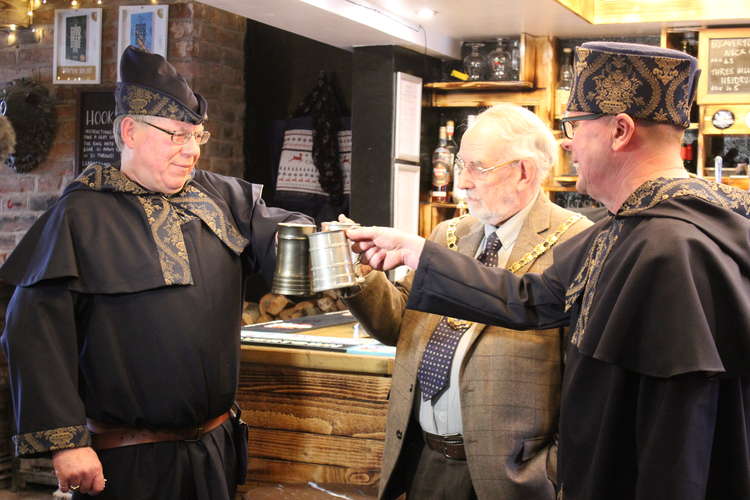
[{"x": 206, "y": 46}]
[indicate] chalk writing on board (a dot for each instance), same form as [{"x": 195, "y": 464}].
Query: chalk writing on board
[{"x": 729, "y": 65}]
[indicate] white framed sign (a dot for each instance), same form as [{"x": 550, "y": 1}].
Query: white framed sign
[
  {"x": 406, "y": 197},
  {"x": 408, "y": 117},
  {"x": 77, "y": 47},
  {"x": 143, "y": 26}
]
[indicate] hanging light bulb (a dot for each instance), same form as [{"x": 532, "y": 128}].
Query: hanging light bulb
[
  {"x": 74, "y": 3},
  {"x": 98, "y": 2}
]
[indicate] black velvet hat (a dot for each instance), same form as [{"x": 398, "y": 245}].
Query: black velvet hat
[
  {"x": 643, "y": 81},
  {"x": 152, "y": 86}
]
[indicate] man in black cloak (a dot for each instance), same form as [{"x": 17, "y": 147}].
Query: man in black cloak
[
  {"x": 122, "y": 334},
  {"x": 656, "y": 396}
]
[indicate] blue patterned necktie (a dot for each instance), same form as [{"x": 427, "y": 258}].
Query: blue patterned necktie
[{"x": 434, "y": 369}]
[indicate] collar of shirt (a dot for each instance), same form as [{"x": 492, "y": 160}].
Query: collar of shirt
[{"x": 509, "y": 230}]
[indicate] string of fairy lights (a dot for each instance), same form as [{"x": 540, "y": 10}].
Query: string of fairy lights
[{"x": 31, "y": 6}]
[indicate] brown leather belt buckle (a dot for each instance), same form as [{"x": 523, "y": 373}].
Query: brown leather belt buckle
[{"x": 451, "y": 447}]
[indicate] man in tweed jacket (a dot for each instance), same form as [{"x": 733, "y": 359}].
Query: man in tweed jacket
[{"x": 490, "y": 434}]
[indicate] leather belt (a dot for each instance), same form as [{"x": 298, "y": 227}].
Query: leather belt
[
  {"x": 105, "y": 436},
  {"x": 450, "y": 446}
]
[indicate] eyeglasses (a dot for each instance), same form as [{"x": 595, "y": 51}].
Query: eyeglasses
[
  {"x": 566, "y": 123},
  {"x": 461, "y": 165},
  {"x": 182, "y": 137}
]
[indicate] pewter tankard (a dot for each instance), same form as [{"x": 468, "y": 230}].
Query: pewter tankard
[
  {"x": 331, "y": 261},
  {"x": 292, "y": 274}
]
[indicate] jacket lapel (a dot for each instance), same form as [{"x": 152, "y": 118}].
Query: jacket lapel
[{"x": 532, "y": 233}]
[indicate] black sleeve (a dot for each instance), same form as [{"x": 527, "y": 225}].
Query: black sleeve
[
  {"x": 675, "y": 423},
  {"x": 456, "y": 285},
  {"x": 41, "y": 345}
]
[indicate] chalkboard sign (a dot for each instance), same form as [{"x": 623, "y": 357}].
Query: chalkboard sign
[
  {"x": 728, "y": 65},
  {"x": 725, "y": 61},
  {"x": 94, "y": 140}
]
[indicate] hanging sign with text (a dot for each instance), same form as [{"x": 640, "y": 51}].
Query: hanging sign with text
[{"x": 95, "y": 141}]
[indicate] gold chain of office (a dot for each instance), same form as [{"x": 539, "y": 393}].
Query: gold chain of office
[{"x": 539, "y": 249}]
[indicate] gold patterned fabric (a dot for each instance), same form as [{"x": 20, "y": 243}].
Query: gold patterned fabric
[
  {"x": 150, "y": 85},
  {"x": 52, "y": 439},
  {"x": 643, "y": 81},
  {"x": 137, "y": 100},
  {"x": 165, "y": 216},
  {"x": 646, "y": 197}
]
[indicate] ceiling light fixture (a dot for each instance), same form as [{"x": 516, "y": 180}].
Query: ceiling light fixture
[{"x": 426, "y": 13}]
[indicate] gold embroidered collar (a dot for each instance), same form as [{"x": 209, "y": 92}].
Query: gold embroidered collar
[
  {"x": 165, "y": 216},
  {"x": 647, "y": 196}
]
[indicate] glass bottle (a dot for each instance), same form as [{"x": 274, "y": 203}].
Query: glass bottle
[
  {"x": 515, "y": 60},
  {"x": 499, "y": 62},
  {"x": 565, "y": 80},
  {"x": 441, "y": 170},
  {"x": 474, "y": 63}
]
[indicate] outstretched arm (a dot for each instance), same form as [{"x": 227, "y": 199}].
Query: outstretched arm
[{"x": 386, "y": 248}]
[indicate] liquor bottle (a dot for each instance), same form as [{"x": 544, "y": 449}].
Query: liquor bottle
[
  {"x": 515, "y": 60},
  {"x": 564, "y": 82},
  {"x": 442, "y": 163},
  {"x": 687, "y": 153},
  {"x": 499, "y": 62},
  {"x": 458, "y": 195}
]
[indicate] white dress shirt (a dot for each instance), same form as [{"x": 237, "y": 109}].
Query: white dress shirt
[{"x": 442, "y": 415}]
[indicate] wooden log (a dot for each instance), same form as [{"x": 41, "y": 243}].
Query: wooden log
[
  {"x": 290, "y": 313},
  {"x": 307, "y": 307},
  {"x": 272, "y": 304},
  {"x": 250, "y": 313},
  {"x": 326, "y": 304},
  {"x": 265, "y": 318}
]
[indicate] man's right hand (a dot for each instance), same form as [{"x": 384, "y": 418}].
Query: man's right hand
[
  {"x": 79, "y": 469},
  {"x": 385, "y": 248}
]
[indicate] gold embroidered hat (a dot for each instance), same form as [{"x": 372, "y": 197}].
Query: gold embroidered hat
[
  {"x": 643, "y": 81},
  {"x": 152, "y": 86}
]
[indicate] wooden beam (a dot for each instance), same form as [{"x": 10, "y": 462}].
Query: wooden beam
[{"x": 13, "y": 12}]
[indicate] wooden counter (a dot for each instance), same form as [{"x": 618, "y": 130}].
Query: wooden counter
[{"x": 314, "y": 415}]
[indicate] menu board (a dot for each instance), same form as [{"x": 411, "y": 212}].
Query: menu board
[
  {"x": 729, "y": 65},
  {"x": 724, "y": 58},
  {"x": 95, "y": 142}
]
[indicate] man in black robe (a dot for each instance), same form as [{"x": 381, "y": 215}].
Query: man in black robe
[
  {"x": 122, "y": 334},
  {"x": 655, "y": 398}
]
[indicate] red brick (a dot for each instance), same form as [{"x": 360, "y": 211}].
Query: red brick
[
  {"x": 15, "y": 223},
  {"x": 183, "y": 49},
  {"x": 180, "y": 29},
  {"x": 56, "y": 164},
  {"x": 7, "y": 242},
  {"x": 184, "y": 68},
  {"x": 181, "y": 10},
  {"x": 49, "y": 183},
  {"x": 14, "y": 202},
  {"x": 40, "y": 203},
  {"x": 15, "y": 183}
]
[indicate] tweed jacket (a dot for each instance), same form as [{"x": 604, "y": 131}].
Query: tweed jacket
[{"x": 509, "y": 380}]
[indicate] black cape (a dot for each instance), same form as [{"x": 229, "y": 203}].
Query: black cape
[
  {"x": 93, "y": 331},
  {"x": 655, "y": 399}
]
